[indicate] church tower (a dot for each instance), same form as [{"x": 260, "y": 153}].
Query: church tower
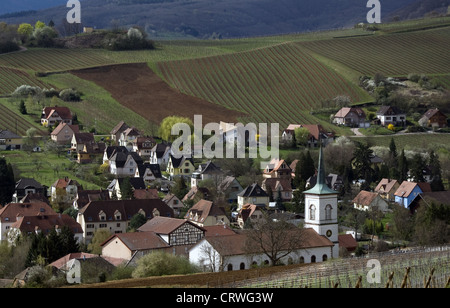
[{"x": 321, "y": 208}]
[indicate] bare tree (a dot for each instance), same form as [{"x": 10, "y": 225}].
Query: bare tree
[{"x": 276, "y": 238}]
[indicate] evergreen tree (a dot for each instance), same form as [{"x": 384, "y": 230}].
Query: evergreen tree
[
  {"x": 22, "y": 107},
  {"x": 418, "y": 165},
  {"x": 7, "y": 182},
  {"x": 68, "y": 242},
  {"x": 402, "y": 167},
  {"x": 363, "y": 163},
  {"x": 436, "y": 173},
  {"x": 126, "y": 189}
]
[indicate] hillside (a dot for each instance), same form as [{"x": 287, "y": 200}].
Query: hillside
[
  {"x": 216, "y": 18},
  {"x": 274, "y": 79}
]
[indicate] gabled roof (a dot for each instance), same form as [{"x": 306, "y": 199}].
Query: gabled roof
[
  {"x": 154, "y": 168},
  {"x": 139, "y": 240},
  {"x": 365, "y": 198},
  {"x": 83, "y": 138},
  {"x": 237, "y": 244},
  {"x": 74, "y": 128},
  {"x": 61, "y": 262},
  {"x": 160, "y": 149},
  {"x": 25, "y": 183},
  {"x": 148, "y": 193},
  {"x": 10, "y": 211},
  {"x": 111, "y": 150},
  {"x": 209, "y": 168},
  {"x": 63, "y": 183},
  {"x": 432, "y": 112},
  {"x": 178, "y": 162},
  {"x": 165, "y": 225},
  {"x": 203, "y": 209},
  {"x": 385, "y": 185},
  {"x": 274, "y": 183},
  {"x": 406, "y": 188},
  {"x": 389, "y": 110},
  {"x": 253, "y": 190},
  {"x": 6, "y": 134},
  {"x": 63, "y": 112},
  {"x": 45, "y": 223},
  {"x": 343, "y": 112},
  {"x": 119, "y": 128},
  {"x": 127, "y": 208}
]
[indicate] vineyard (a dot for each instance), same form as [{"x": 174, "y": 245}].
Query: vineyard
[
  {"x": 11, "y": 78},
  {"x": 15, "y": 123},
  {"x": 282, "y": 81},
  {"x": 392, "y": 55},
  {"x": 424, "y": 264}
]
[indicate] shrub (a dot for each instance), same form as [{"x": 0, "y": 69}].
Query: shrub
[
  {"x": 26, "y": 90},
  {"x": 161, "y": 263},
  {"x": 70, "y": 95}
]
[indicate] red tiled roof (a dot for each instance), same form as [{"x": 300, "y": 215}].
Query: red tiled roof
[{"x": 10, "y": 211}]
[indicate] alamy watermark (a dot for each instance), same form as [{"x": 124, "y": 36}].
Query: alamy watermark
[
  {"x": 74, "y": 15},
  {"x": 374, "y": 274},
  {"x": 374, "y": 15},
  {"x": 229, "y": 140},
  {"x": 73, "y": 275}
]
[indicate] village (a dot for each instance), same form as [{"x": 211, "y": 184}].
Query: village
[{"x": 221, "y": 214}]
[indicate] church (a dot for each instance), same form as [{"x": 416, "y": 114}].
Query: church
[{"x": 319, "y": 243}]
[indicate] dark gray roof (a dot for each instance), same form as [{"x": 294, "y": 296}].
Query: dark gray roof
[
  {"x": 253, "y": 190},
  {"x": 28, "y": 183},
  {"x": 6, "y": 134}
]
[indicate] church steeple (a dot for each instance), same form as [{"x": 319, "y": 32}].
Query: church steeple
[{"x": 321, "y": 187}]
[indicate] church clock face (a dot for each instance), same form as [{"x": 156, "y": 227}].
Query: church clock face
[{"x": 329, "y": 233}]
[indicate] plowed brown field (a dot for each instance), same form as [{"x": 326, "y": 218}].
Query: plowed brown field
[{"x": 138, "y": 88}]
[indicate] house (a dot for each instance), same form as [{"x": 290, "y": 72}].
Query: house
[
  {"x": 316, "y": 133},
  {"x": 348, "y": 242},
  {"x": 253, "y": 194},
  {"x": 115, "y": 215},
  {"x": 438, "y": 198},
  {"x": 250, "y": 213},
  {"x": 111, "y": 150},
  {"x": 231, "y": 252},
  {"x": 233, "y": 134},
  {"x": 173, "y": 231},
  {"x": 351, "y": 116},
  {"x": 91, "y": 152},
  {"x": 64, "y": 132},
  {"x": 367, "y": 201},
  {"x": 26, "y": 225},
  {"x": 148, "y": 172},
  {"x": 408, "y": 191},
  {"x": 277, "y": 169},
  {"x": 195, "y": 194},
  {"x": 206, "y": 213},
  {"x": 79, "y": 140},
  {"x": 182, "y": 166},
  {"x": 208, "y": 171},
  {"x": 117, "y": 185},
  {"x": 132, "y": 246},
  {"x": 229, "y": 189},
  {"x": 386, "y": 188},
  {"x": 175, "y": 203},
  {"x": 10, "y": 141},
  {"x": 117, "y": 131},
  {"x": 10, "y": 213},
  {"x": 27, "y": 186},
  {"x": 124, "y": 164},
  {"x": 64, "y": 190},
  {"x": 391, "y": 115},
  {"x": 85, "y": 196},
  {"x": 434, "y": 118},
  {"x": 129, "y": 137},
  {"x": 143, "y": 146},
  {"x": 160, "y": 154},
  {"x": 278, "y": 185},
  {"x": 52, "y": 115},
  {"x": 333, "y": 181}
]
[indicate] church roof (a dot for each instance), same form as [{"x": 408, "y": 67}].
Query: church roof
[{"x": 321, "y": 187}]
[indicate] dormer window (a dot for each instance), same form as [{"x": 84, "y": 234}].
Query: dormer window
[
  {"x": 102, "y": 216},
  {"x": 118, "y": 215}
]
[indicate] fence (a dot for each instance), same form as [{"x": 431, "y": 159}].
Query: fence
[{"x": 413, "y": 268}]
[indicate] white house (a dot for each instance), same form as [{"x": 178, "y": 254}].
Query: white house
[
  {"x": 230, "y": 252},
  {"x": 124, "y": 164},
  {"x": 160, "y": 154},
  {"x": 391, "y": 115}
]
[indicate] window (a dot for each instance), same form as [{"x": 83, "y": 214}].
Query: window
[
  {"x": 313, "y": 259},
  {"x": 103, "y": 226},
  {"x": 324, "y": 258},
  {"x": 312, "y": 212},
  {"x": 328, "y": 209},
  {"x": 242, "y": 266},
  {"x": 230, "y": 267}
]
